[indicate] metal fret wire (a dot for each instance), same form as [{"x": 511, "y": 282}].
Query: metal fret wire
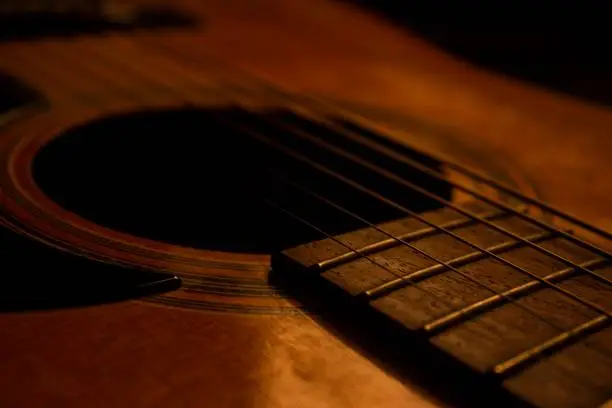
[
  {"x": 469, "y": 258},
  {"x": 286, "y": 96},
  {"x": 465, "y": 312},
  {"x": 485, "y": 286},
  {"x": 391, "y": 243}
]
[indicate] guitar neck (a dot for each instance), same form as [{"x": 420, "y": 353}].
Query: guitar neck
[{"x": 496, "y": 290}]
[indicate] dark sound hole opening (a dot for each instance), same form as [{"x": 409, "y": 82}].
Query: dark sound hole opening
[{"x": 197, "y": 178}]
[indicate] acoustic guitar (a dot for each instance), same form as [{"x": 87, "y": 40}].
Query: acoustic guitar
[{"x": 291, "y": 204}]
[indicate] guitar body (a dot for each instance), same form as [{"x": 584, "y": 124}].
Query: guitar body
[{"x": 228, "y": 338}]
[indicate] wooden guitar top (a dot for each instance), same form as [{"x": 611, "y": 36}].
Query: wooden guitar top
[{"x": 163, "y": 353}]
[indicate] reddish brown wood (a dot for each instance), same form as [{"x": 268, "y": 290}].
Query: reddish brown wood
[{"x": 147, "y": 354}]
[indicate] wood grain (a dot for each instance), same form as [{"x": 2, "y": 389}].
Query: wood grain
[
  {"x": 573, "y": 376},
  {"x": 144, "y": 354}
]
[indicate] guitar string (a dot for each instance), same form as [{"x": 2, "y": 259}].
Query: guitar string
[
  {"x": 276, "y": 88},
  {"x": 320, "y": 167},
  {"x": 575, "y": 296},
  {"x": 437, "y": 297},
  {"x": 548, "y": 322},
  {"x": 56, "y": 54},
  {"x": 354, "y": 136},
  {"x": 383, "y": 172},
  {"x": 587, "y": 342},
  {"x": 539, "y": 248},
  {"x": 412, "y": 186},
  {"x": 84, "y": 95},
  {"x": 570, "y": 292},
  {"x": 567, "y": 293},
  {"x": 561, "y": 329},
  {"x": 269, "y": 87},
  {"x": 122, "y": 94}
]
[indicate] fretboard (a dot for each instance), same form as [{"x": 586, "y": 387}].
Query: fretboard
[{"x": 522, "y": 304}]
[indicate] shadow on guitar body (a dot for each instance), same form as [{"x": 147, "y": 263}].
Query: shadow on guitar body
[
  {"x": 36, "y": 276},
  {"x": 405, "y": 355}
]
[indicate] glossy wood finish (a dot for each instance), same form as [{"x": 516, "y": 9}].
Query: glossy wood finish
[{"x": 149, "y": 354}]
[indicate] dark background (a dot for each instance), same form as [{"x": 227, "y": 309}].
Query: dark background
[{"x": 560, "y": 45}]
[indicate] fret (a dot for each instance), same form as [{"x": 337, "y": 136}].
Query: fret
[
  {"x": 396, "y": 241},
  {"x": 510, "y": 330},
  {"x": 577, "y": 375},
  {"x": 573, "y": 316},
  {"x": 497, "y": 299},
  {"x": 323, "y": 250},
  {"x": 459, "y": 261},
  {"x": 559, "y": 340}
]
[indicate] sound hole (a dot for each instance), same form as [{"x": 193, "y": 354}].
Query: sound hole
[{"x": 199, "y": 178}]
